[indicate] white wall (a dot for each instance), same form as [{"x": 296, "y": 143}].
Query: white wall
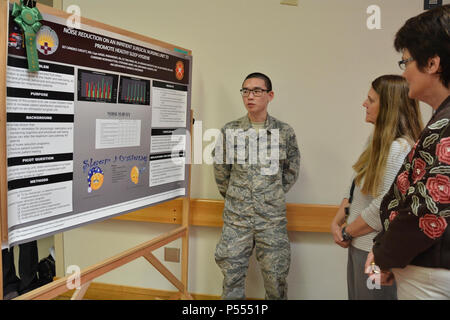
[{"x": 321, "y": 58}]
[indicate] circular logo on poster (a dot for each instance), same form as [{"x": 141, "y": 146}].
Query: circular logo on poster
[
  {"x": 47, "y": 41},
  {"x": 179, "y": 70}
]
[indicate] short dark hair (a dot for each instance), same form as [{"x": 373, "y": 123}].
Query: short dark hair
[
  {"x": 426, "y": 36},
  {"x": 262, "y": 76}
]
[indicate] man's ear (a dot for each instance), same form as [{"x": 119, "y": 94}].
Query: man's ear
[
  {"x": 271, "y": 95},
  {"x": 434, "y": 65}
]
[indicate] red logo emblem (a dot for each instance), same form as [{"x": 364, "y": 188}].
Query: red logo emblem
[{"x": 179, "y": 70}]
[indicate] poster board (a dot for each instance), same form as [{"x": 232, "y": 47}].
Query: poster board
[{"x": 101, "y": 130}]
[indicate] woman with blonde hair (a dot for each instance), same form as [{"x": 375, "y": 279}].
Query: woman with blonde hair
[{"x": 397, "y": 125}]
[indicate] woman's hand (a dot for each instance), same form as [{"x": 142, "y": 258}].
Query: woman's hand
[
  {"x": 385, "y": 278},
  {"x": 336, "y": 231},
  {"x": 338, "y": 222}
]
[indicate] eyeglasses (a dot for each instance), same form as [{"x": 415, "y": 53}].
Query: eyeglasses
[
  {"x": 257, "y": 92},
  {"x": 402, "y": 63}
]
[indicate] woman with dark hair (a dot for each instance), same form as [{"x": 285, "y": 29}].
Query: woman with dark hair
[
  {"x": 415, "y": 213},
  {"x": 397, "y": 122}
]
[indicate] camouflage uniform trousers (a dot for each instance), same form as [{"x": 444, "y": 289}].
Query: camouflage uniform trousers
[{"x": 273, "y": 254}]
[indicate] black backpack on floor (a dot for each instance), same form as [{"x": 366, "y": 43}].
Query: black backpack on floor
[{"x": 46, "y": 270}]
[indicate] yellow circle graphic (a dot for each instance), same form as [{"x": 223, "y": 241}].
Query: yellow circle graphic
[
  {"x": 96, "y": 181},
  {"x": 134, "y": 175}
]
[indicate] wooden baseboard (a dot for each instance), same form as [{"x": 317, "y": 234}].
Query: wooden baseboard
[
  {"x": 104, "y": 291},
  {"x": 208, "y": 213}
]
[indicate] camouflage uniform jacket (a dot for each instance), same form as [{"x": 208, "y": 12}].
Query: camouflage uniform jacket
[{"x": 254, "y": 198}]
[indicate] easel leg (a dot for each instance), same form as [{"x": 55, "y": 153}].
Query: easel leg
[
  {"x": 185, "y": 247},
  {"x": 185, "y": 223},
  {"x": 1, "y": 270}
]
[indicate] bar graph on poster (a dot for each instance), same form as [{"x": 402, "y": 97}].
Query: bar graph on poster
[
  {"x": 134, "y": 91},
  {"x": 90, "y": 135},
  {"x": 95, "y": 86}
]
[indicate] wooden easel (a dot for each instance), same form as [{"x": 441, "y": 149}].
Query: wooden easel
[{"x": 56, "y": 288}]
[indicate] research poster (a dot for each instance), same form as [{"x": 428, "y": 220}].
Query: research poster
[{"x": 100, "y": 130}]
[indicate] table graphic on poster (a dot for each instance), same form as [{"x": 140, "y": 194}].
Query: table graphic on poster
[
  {"x": 134, "y": 91},
  {"x": 98, "y": 131},
  {"x": 117, "y": 133}
]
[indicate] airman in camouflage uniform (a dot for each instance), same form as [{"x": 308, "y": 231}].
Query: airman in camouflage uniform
[{"x": 254, "y": 192}]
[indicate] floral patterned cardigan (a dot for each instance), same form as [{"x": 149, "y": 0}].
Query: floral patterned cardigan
[{"x": 415, "y": 213}]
